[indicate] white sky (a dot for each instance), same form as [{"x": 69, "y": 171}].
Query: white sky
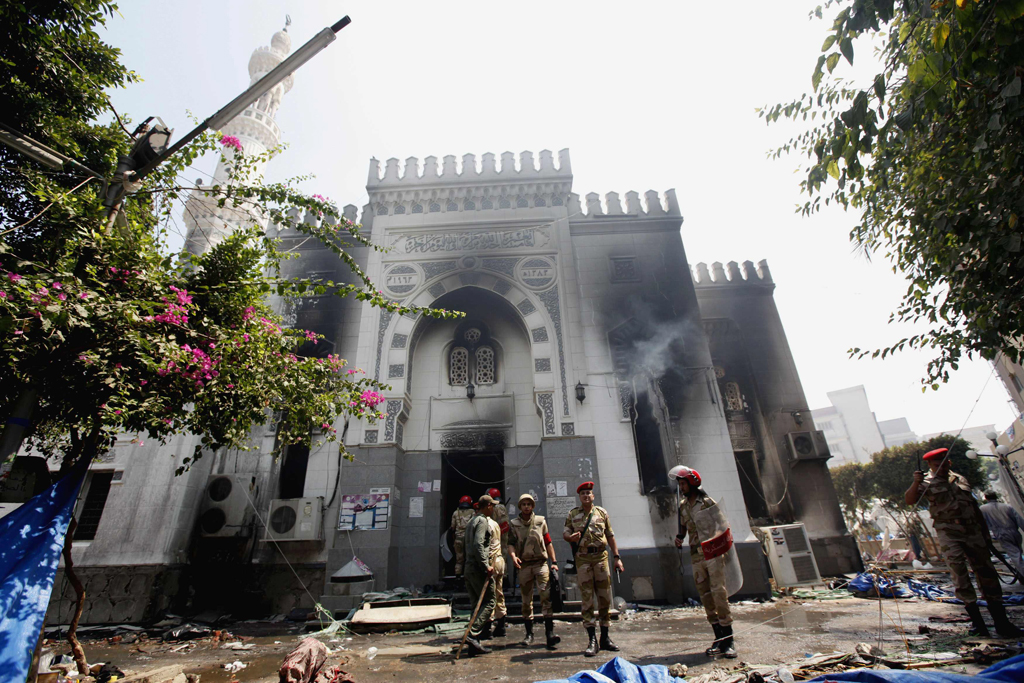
[{"x": 645, "y": 95}]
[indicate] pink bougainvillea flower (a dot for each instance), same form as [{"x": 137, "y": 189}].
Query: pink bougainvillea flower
[
  {"x": 56, "y": 285},
  {"x": 13, "y": 277},
  {"x": 143, "y": 383},
  {"x": 18, "y": 332},
  {"x": 231, "y": 141},
  {"x": 3, "y": 295},
  {"x": 62, "y": 296},
  {"x": 83, "y": 295}
]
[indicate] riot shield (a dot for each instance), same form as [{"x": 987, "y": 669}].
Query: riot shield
[{"x": 713, "y": 526}]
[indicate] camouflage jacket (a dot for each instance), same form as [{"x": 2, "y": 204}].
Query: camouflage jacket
[
  {"x": 500, "y": 515},
  {"x": 478, "y": 541},
  {"x": 460, "y": 520},
  {"x": 701, "y": 501},
  {"x": 950, "y": 503},
  {"x": 529, "y": 539},
  {"x": 593, "y": 547}
]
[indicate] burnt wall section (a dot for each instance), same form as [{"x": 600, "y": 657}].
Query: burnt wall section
[
  {"x": 122, "y": 594},
  {"x": 750, "y": 348}
]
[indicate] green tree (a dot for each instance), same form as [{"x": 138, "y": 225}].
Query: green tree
[
  {"x": 856, "y": 495},
  {"x": 929, "y": 152}
]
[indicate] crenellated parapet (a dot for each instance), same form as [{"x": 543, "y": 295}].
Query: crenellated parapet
[
  {"x": 652, "y": 205},
  {"x": 469, "y": 184},
  {"x": 731, "y": 274}
]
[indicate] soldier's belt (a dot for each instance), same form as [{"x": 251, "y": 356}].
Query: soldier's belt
[
  {"x": 590, "y": 549},
  {"x": 533, "y": 561}
]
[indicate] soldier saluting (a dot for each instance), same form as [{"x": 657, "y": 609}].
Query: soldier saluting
[
  {"x": 589, "y": 529},
  {"x": 963, "y": 537}
]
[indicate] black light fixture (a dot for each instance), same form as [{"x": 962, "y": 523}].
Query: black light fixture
[
  {"x": 581, "y": 393},
  {"x": 470, "y": 391}
]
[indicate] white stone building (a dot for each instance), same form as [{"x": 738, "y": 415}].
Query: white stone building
[{"x": 589, "y": 351}]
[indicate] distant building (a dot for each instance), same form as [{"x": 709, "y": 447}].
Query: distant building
[
  {"x": 1012, "y": 376},
  {"x": 851, "y": 430},
  {"x": 976, "y": 436}
]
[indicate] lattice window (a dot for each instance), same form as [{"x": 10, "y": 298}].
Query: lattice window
[
  {"x": 504, "y": 203},
  {"x": 470, "y": 205},
  {"x": 488, "y": 204},
  {"x": 557, "y": 201},
  {"x": 434, "y": 207},
  {"x": 472, "y": 335},
  {"x": 452, "y": 206},
  {"x": 522, "y": 203},
  {"x": 733, "y": 397},
  {"x": 417, "y": 208},
  {"x": 400, "y": 209},
  {"x": 540, "y": 202},
  {"x": 485, "y": 365},
  {"x": 382, "y": 210},
  {"x": 458, "y": 367}
]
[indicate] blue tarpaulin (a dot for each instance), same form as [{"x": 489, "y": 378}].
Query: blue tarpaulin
[
  {"x": 875, "y": 585},
  {"x": 31, "y": 540},
  {"x": 1007, "y": 671},
  {"x": 620, "y": 670},
  {"x": 927, "y": 590}
]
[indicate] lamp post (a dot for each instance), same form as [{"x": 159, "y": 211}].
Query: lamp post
[
  {"x": 226, "y": 113},
  {"x": 1001, "y": 453}
]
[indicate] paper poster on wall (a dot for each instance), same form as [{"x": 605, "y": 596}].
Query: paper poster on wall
[
  {"x": 424, "y": 487},
  {"x": 559, "y": 507},
  {"x": 415, "y": 507},
  {"x": 561, "y": 488},
  {"x": 437, "y": 485},
  {"x": 364, "y": 512}
]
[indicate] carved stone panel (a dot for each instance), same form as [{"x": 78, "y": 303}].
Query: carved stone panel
[
  {"x": 546, "y": 402},
  {"x": 401, "y": 279},
  {"x": 536, "y": 273},
  {"x": 539, "y": 334},
  {"x": 542, "y": 365}
]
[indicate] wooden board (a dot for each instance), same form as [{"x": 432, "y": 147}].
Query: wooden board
[{"x": 402, "y": 613}]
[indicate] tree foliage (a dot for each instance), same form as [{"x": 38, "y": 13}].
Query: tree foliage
[
  {"x": 930, "y": 152},
  {"x": 99, "y": 324}
]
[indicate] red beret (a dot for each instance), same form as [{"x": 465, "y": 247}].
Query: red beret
[
  {"x": 937, "y": 454},
  {"x": 585, "y": 486}
]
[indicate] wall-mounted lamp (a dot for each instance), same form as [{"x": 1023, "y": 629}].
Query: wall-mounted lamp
[
  {"x": 470, "y": 391},
  {"x": 581, "y": 393},
  {"x": 798, "y": 417}
]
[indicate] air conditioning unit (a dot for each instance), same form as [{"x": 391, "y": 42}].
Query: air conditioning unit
[
  {"x": 807, "y": 446},
  {"x": 790, "y": 555},
  {"x": 226, "y": 507},
  {"x": 295, "y": 519}
]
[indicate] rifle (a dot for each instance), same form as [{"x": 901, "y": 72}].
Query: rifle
[
  {"x": 1002, "y": 558},
  {"x": 576, "y": 546}
]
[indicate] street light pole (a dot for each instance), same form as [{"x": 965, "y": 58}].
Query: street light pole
[{"x": 235, "y": 106}]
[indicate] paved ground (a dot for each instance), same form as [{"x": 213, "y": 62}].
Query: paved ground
[{"x": 768, "y": 634}]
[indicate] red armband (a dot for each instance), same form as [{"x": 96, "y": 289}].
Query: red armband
[
  {"x": 547, "y": 539},
  {"x": 504, "y": 527}
]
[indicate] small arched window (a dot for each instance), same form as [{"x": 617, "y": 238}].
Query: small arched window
[
  {"x": 484, "y": 365},
  {"x": 458, "y": 368}
]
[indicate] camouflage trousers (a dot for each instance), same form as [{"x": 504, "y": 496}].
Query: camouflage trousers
[
  {"x": 595, "y": 585},
  {"x": 961, "y": 548},
  {"x": 529, "y": 576},
  {"x": 499, "y": 588},
  {"x": 460, "y": 554},
  {"x": 477, "y": 582},
  {"x": 709, "y": 575}
]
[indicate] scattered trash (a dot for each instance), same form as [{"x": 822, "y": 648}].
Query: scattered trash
[
  {"x": 371, "y": 653},
  {"x": 678, "y": 670},
  {"x": 237, "y": 645},
  {"x": 867, "y": 585},
  {"x": 620, "y": 670},
  {"x": 106, "y": 672},
  {"x": 188, "y": 632},
  {"x": 235, "y": 667},
  {"x": 302, "y": 664},
  {"x": 785, "y": 675}
]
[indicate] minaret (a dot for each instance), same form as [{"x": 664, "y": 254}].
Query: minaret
[{"x": 257, "y": 132}]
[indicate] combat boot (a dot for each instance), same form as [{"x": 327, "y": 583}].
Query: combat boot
[
  {"x": 714, "y": 650},
  {"x": 592, "y": 649},
  {"x": 499, "y": 628},
  {"x": 485, "y": 632},
  {"x": 978, "y": 626},
  {"x": 528, "y": 640},
  {"x": 1004, "y": 627},
  {"x": 725, "y": 646},
  {"x": 549, "y": 633},
  {"x": 475, "y": 648},
  {"x": 606, "y": 641}
]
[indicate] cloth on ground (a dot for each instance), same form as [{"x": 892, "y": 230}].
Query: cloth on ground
[
  {"x": 304, "y": 662},
  {"x": 619, "y": 670},
  {"x": 936, "y": 594},
  {"x": 1007, "y": 671}
]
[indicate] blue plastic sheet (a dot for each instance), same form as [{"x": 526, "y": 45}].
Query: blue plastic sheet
[
  {"x": 620, "y": 670},
  {"x": 1007, "y": 671},
  {"x": 927, "y": 590},
  {"x": 874, "y": 585},
  {"x": 31, "y": 540}
]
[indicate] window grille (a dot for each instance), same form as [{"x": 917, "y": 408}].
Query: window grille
[
  {"x": 472, "y": 335},
  {"x": 458, "y": 367},
  {"x": 485, "y": 365},
  {"x": 733, "y": 397},
  {"x": 435, "y": 207},
  {"x": 452, "y": 206},
  {"x": 417, "y": 208}
]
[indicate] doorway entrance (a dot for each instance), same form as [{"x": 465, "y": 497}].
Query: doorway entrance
[{"x": 467, "y": 474}]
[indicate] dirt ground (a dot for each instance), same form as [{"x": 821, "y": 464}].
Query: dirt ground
[{"x": 775, "y": 634}]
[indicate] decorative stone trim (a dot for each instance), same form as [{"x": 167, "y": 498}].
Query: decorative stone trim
[
  {"x": 550, "y": 300},
  {"x": 505, "y": 266},
  {"x": 382, "y": 328},
  {"x": 568, "y": 429},
  {"x": 625, "y": 399},
  {"x": 546, "y": 403},
  {"x": 396, "y": 371},
  {"x": 542, "y": 365},
  {"x": 399, "y": 341},
  {"x": 536, "y": 273},
  {"x": 393, "y": 409},
  {"x": 540, "y": 334},
  {"x": 469, "y": 278},
  {"x": 502, "y": 287},
  {"x": 624, "y": 269},
  {"x": 437, "y": 289},
  {"x": 370, "y": 436},
  {"x": 473, "y": 440},
  {"x": 435, "y": 268},
  {"x": 526, "y": 307}
]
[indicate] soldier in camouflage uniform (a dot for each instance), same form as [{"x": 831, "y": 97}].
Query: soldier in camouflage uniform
[
  {"x": 530, "y": 548},
  {"x": 709, "y": 575},
  {"x": 460, "y": 520},
  {"x": 500, "y": 517},
  {"x": 963, "y": 538},
  {"x": 480, "y": 536},
  {"x": 592, "y": 563}
]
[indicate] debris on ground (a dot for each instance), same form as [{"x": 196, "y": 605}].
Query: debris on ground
[
  {"x": 304, "y": 662},
  {"x": 188, "y": 632},
  {"x": 235, "y": 667},
  {"x": 620, "y": 670}
]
